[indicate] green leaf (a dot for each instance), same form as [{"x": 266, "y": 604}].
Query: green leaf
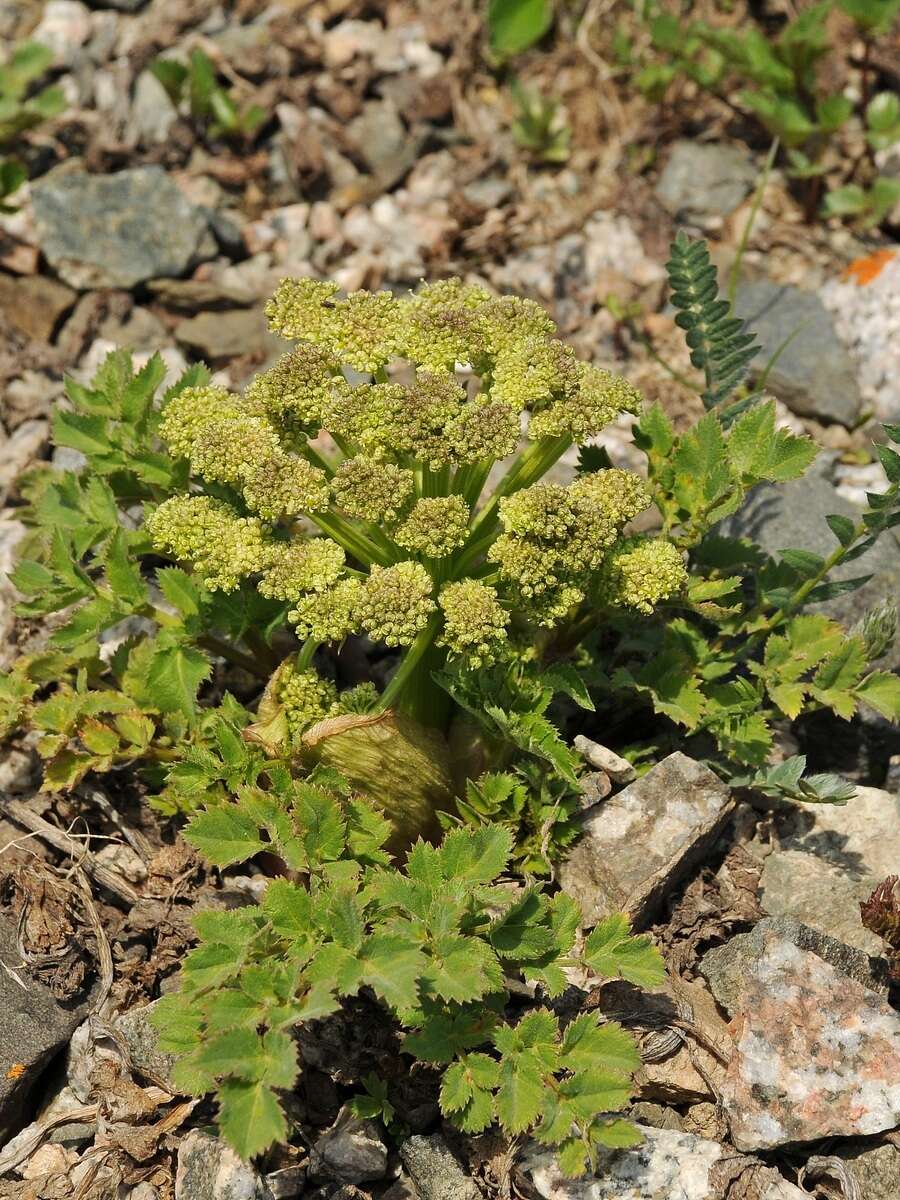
[
  {"x": 759, "y": 451},
  {"x": 515, "y": 25},
  {"x": 123, "y": 573},
  {"x": 80, "y": 431},
  {"x": 173, "y": 676},
  {"x": 225, "y": 835},
  {"x": 180, "y": 590},
  {"x": 250, "y": 1117},
  {"x": 613, "y": 952},
  {"x": 842, "y": 528},
  {"x": 520, "y": 1094},
  {"x": 392, "y": 968},
  {"x": 882, "y": 692},
  {"x": 475, "y": 856},
  {"x": 471, "y": 1074},
  {"x": 519, "y": 932},
  {"x": 587, "y": 1045}
]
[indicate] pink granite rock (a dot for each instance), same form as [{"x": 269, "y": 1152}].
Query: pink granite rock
[{"x": 817, "y": 1054}]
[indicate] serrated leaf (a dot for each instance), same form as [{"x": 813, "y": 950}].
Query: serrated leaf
[
  {"x": 81, "y": 431},
  {"x": 520, "y": 1095},
  {"x": 250, "y": 1117},
  {"x": 882, "y": 692},
  {"x": 225, "y": 835},
  {"x": 122, "y": 573},
  {"x": 180, "y": 590},
  {"x": 288, "y": 908},
  {"x": 392, "y": 968},
  {"x": 173, "y": 677},
  {"x": 471, "y": 1074},
  {"x": 613, "y": 952},
  {"x": 475, "y": 856},
  {"x": 519, "y": 932},
  {"x": 586, "y": 1046},
  {"x": 178, "y": 1024}
]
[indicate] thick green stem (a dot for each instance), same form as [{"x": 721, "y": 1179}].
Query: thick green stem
[
  {"x": 306, "y": 653},
  {"x": 353, "y": 540},
  {"x": 392, "y": 695}
]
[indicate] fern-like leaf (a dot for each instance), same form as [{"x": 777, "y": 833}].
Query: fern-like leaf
[{"x": 719, "y": 346}]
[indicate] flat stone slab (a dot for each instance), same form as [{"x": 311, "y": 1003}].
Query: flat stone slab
[
  {"x": 813, "y": 374},
  {"x": 667, "y": 1165},
  {"x": 116, "y": 231},
  {"x": 640, "y": 842},
  {"x": 817, "y": 1054},
  {"x": 830, "y": 858}
]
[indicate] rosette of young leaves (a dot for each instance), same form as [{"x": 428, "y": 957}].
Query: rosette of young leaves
[{"x": 434, "y": 941}]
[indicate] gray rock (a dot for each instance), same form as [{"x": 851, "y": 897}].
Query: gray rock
[
  {"x": 35, "y": 1027},
  {"x": 209, "y": 1170},
  {"x": 831, "y": 857},
  {"x": 601, "y": 758},
  {"x": 152, "y": 112},
  {"x": 727, "y": 968},
  {"x": 816, "y": 1053},
  {"x": 814, "y": 374},
  {"x": 142, "y": 1041},
  {"x": 351, "y": 1150},
  {"x": 387, "y": 146},
  {"x": 703, "y": 180},
  {"x": 792, "y": 516},
  {"x": 666, "y": 1165},
  {"x": 228, "y": 334},
  {"x": 435, "y": 1171},
  {"x": 117, "y": 231},
  {"x": 639, "y": 843}
]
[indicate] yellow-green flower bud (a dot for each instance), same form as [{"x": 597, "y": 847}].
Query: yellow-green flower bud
[
  {"x": 301, "y": 566},
  {"x": 226, "y": 450},
  {"x": 365, "y": 415},
  {"x": 551, "y": 607},
  {"x": 301, "y": 308},
  {"x": 529, "y": 565},
  {"x": 185, "y": 415},
  {"x": 533, "y": 370},
  {"x": 641, "y": 572},
  {"x": 619, "y": 495},
  {"x": 543, "y": 511},
  {"x": 285, "y": 485},
  {"x": 372, "y": 490},
  {"x": 599, "y": 398},
  {"x": 299, "y": 384},
  {"x": 223, "y": 547},
  {"x": 330, "y": 615},
  {"x": 441, "y": 326},
  {"x": 365, "y": 328},
  {"x": 396, "y": 603},
  {"x": 429, "y": 406},
  {"x": 307, "y": 698},
  {"x": 474, "y": 621},
  {"x": 484, "y": 429},
  {"x": 435, "y": 527},
  {"x": 509, "y": 320}
]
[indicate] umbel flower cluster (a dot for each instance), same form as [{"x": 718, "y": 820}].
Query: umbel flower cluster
[{"x": 360, "y": 505}]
